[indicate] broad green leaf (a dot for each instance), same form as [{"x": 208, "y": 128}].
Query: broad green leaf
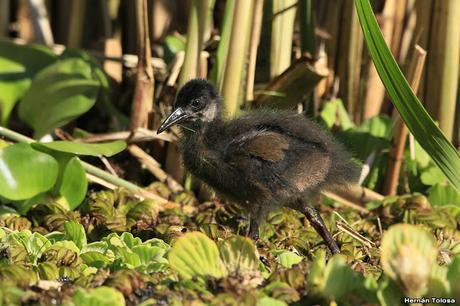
[
  {"x": 194, "y": 254},
  {"x": 74, "y": 183},
  {"x": 453, "y": 276},
  {"x": 316, "y": 275},
  {"x": 173, "y": 44},
  {"x": 432, "y": 176},
  {"x": 438, "y": 283},
  {"x": 128, "y": 258},
  {"x": 268, "y": 301},
  {"x": 408, "y": 255},
  {"x": 96, "y": 259},
  {"x": 118, "y": 119},
  {"x": 58, "y": 94},
  {"x": 25, "y": 172},
  {"x": 339, "y": 278},
  {"x": 379, "y": 126},
  {"x": 76, "y": 233},
  {"x": 93, "y": 149},
  {"x": 288, "y": 259},
  {"x": 147, "y": 253},
  {"x": 18, "y": 65},
  {"x": 334, "y": 111},
  {"x": 239, "y": 254},
  {"x": 406, "y": 102},
  {"x": 100, "y": 296},
  {"x": 26, "y": 245},
  {"x": 48, "y": 271},
  {"x": 443, "y": 195}
]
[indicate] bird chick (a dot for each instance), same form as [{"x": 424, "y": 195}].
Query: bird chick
[{"x": 262, "y": 160}]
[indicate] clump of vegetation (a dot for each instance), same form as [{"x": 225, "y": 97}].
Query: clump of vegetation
[{"x": 74, "y": 234}]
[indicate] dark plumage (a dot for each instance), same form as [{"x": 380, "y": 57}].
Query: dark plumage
[{"x": 261, "y": 160}]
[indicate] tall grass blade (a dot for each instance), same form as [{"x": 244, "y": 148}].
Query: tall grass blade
[{"x": 406, "y": 102}]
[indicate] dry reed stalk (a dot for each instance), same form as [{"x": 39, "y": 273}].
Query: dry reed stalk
[
  {"x": 254, "y": 44},
  {"x": 143, "y": 92},
  {"x": 400, "y": 130},
  {"x": 375, "y": 91},
  {"x": 442, "y": 73}
]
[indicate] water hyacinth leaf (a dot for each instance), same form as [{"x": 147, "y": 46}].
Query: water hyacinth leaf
[
  {"x": 48, "y": 271},
  {"x": 147, "y": 253},
  {"x": 25, "y": 172},
  {"x": 334, "y": 111},
  {"x": 288, "y": 259},
  {"x": 96, "y": 259},
  {"x": 315, "y": 277},
  {"x": 438, "y": 283},
  {"x": 194, "y": 254},
  {"x": 74, "y": 184},
  {"x": 173, "y": 45},
  {"x": 443, "y": 195},
  {"x": 76, "y": 233},
  {"x": 339, "y": 278},
  {"x": 239, "y": 254},
  {"x": 128, "y": 258},
  {"x": 408, "y": 255},
  {"x": 18, "y": 65},
  {"x": 453, "y": 275},
  {"x": 268, "y": 301},
  {"x": 406, "y": 102},
  {"x": 24, "y": 244},
  {"x": 92, "y": 149},
  {"x": 58, "y": 94},
  {"x": 378, "y": 126},
  {"x": 432, "y": 176},
  {"x": 101, "y": 296}
]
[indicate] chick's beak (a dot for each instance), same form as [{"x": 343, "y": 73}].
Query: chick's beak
[{"x": 176, "y": 117}]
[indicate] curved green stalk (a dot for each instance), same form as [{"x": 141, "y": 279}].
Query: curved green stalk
[{"x": 406, "y": 102}]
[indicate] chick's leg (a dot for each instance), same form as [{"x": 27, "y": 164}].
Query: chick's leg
[
  {"x": 318, "y": 224},
  {"x": 253, "y": 228}
]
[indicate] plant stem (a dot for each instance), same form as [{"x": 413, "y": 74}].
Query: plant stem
[
  {"x": 400, "y": 130},
  {"x": 143, "y": 95}
]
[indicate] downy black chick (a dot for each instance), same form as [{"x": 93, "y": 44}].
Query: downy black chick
[{"x": 262, "y": 160}]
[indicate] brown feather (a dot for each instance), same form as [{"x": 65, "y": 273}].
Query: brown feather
[{"x": 269, "y": 146}]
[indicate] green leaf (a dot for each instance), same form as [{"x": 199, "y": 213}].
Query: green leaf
[
  {"x": 408, "y": 255},
  {"x": 432, "y": 176},
  {"x": 406, "y": 102},
  {"x": 96, "y": 259},
  {"x": 453, "y": 276},
  {"x": 334, "y": 110},
  {"x": 101, "y": 296},
  {"x": 58, "y": 94},
  {"x": 194, "y": 254},
  {"x": 379, "y": 126},
  {"x": 76, "y": 233},
  {"x": 25, "y": 172},
  {"x": 268, "y": 301},
  {"x": 93, "y": 149},
  {"x": 18, "y": 65},
  {"x": 443, "y": 195},
  {"x": 339, "y": 278},
  {"x": 288, "y": 259},
  {"x": 74, "y": 183},
  {"x": 239, "y": 254},
  {"x": 173, "y": 44},
  {"x": 28, "y": 246},
  {"x": 148, "y": 254},
  {"x": 438, "y": 283}
]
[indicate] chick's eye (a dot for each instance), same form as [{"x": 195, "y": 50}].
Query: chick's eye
[{"x": 196, "y": 103}]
